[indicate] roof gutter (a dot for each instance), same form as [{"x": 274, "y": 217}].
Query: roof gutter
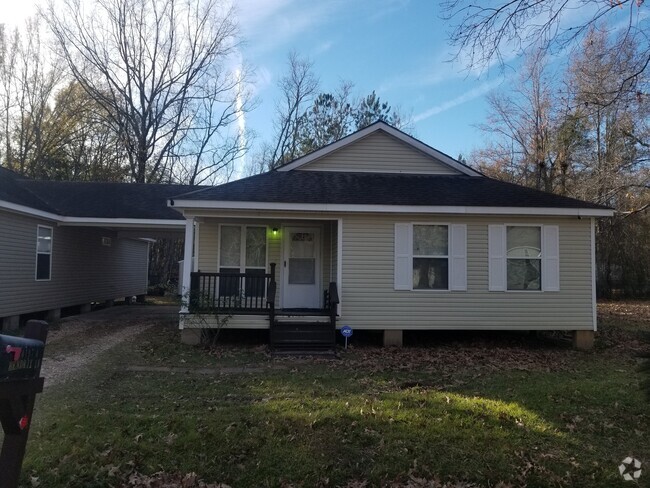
[{"x": 439, "y": 209}]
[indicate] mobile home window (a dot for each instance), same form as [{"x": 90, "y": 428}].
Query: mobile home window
[
  {"x": 430, "y": 257},
  {"x": 44, "y": 253},
  {"x": 524, "y": 257}
]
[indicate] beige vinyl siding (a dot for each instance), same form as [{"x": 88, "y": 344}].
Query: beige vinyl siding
[
  {"x": 83, "y": 270},
  {"x": 209, "y": 245},
  {"x": 380, "y": 153},
  {"x": 371, "y": 302}
]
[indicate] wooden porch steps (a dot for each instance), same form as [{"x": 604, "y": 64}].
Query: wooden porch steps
[{"x": 303, "y": 338}]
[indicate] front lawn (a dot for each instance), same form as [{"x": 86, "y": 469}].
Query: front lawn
[{"x": 503, "y": 411}]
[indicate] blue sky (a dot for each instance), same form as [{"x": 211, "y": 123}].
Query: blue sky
[{"x": 396, "y": 47}]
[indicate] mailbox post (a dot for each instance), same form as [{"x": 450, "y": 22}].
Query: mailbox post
[{"x": 20, "y": 381}]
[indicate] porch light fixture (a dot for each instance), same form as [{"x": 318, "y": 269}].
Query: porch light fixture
[{"x": 275, "y": 231}]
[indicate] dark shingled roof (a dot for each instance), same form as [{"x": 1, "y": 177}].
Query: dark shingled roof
[
  {"x": 108, "y": 200},
  {"x": 92, "y": 200},
  {"x": 382, "y": 189},
  {"x": 12, "y": 191}
]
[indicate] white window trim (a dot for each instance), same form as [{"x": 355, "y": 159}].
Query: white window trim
[
  {"x": 541, "y": 257},
  {"x": 51, "y": 253},
  {"x": 242, "y": 251},
  {"x": 448, "y": 257}
]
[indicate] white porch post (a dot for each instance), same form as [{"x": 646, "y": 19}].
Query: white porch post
[
  {"x": 339, "y": 264},
  {"x": 187, "y": 264},
  {"x": 197, "y": 233}
]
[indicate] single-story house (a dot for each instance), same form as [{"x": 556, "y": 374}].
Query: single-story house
[
  {"x": 381, "y": 231},
  {"x": 65, "y": 244}
]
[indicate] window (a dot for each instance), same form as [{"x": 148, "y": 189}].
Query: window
[
  {"x": 43, "y": 253},
  {"x": 524, "y": 257},
  {"x": 242, "y": 249},
  {"x": 430, "y": 257}
]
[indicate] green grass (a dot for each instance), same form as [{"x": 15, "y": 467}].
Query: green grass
[{"x": 319, "y": 423}]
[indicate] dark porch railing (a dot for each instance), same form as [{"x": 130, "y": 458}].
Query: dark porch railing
[{"x": 232, "y": 292}]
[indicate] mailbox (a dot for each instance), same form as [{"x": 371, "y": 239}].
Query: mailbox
[
  {"x": 20, "y": 381},
  {"x": 20, "y": 358}
]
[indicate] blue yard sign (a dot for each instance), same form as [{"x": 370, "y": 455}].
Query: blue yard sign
[{"x": 346, "y": 331}]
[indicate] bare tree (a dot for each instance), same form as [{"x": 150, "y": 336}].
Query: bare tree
[
  {"x": 298, "y": 87},
  {"x": 213, "y": 137},
  {"x": 152, "y": 65},
  {"x": 307, "y": 120},
  {"x": 584, "y": 141},
  {"x": 29, "y": 80},
  {"x": 528, "y": 127},
  {"x": 486, "y": 33},
  {"x": 8, "y": 53}
]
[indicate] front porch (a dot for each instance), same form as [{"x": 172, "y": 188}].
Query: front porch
[{"x": 279, "y": 274}]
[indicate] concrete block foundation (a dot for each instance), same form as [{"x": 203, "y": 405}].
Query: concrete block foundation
[
  {"x": 11, "y": 323},
  {"x": 393, "y": 338},
  {"x": 583, "y": 339},
  {"x": 53, "y": 315},
  {"x": 191, "y": 337}
]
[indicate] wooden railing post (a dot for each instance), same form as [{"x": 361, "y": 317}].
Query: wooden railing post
[
  {"x": 333, "y": 295},
  {"x": 271, "y": 291},
  {"x": 193, "y": 299}
]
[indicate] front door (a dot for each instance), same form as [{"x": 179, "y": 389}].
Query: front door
[{"x": 301, "y": 267}]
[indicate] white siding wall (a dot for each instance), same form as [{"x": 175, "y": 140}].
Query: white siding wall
[
  {"x": 371, "y": 302},
  {"x": 83, "y": 270},
  {"x": 377, "y": 153}
]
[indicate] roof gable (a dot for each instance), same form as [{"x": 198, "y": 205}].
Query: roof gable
[{"x": 380, "y": 148}]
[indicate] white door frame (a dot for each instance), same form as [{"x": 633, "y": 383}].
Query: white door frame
[{"x": 284, "y": 275}]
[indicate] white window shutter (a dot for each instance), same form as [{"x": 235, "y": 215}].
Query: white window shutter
[
  {"x": 458, "y": 258},
  {"x": 497, "y": 258},
  {"x": 550, "y": 258},
  {"x": 403, "y": 250}
]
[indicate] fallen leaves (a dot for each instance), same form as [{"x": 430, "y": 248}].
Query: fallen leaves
[{"x": 165, "y": 480}]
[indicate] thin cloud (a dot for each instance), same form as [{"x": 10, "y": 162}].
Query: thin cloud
[
  {"x": 387, "y": 8},
  {"x": 454, "y": 102},
  {"x": 323, "y": 47}
]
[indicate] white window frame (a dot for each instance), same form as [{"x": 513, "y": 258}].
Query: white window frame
[
  {"x": 51, "y": 229},
  {"x": 448, "y": 257},
  {"x": 242, "y": 250},
  {"x": 541, "y": 257}
]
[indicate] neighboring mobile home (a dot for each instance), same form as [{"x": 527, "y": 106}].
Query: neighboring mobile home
[
  {"x": 65, "y": 244},
  {"x": 383, "y": 232}
]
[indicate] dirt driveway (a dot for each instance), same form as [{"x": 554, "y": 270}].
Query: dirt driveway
[{"x": 75, "y": 342}]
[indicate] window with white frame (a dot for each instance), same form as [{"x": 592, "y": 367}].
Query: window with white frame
[
  {"x": 44, "y": 237},
  {"x": 430, "y": 256},
  {"x": 523, "y": 257},
  {"x": 242, "y": 249}
]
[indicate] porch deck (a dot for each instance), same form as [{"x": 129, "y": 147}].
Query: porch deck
[{"x": 298, "y": 330}]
